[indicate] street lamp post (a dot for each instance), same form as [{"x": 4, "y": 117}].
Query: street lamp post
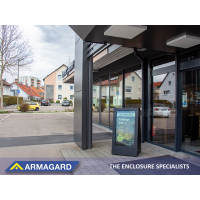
[{"x": 18, "y": 85}]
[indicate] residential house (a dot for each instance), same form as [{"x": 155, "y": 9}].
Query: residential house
[
  {"x": 167, "y": 88},
  {"x": 54, "y": 87},
  {"x": 133, "y": 89},
  {"x": 6, "y": 88},
  {"x": 25, "y": 91}
]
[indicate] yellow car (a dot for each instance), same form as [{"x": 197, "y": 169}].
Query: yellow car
[{"x": 32, "y": 106}]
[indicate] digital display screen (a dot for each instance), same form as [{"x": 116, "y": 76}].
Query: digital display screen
[{"x": 125, "y": 128}]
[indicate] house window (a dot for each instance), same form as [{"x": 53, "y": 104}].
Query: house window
[
  {"x": 139, "y": 90},
  {"x": 71, "y": 96},
  {"x": 60, "y": 87},
  {"x": 133, "y": 79},
  {"x": 59, "y": 77},
  {"x": 169, "y": 82},
  {"x": 166, "y": 92},
  {"x": 128, "y": 89},
  {"x": 59, "y": 96},
  {"x": 71, "y": 87}
]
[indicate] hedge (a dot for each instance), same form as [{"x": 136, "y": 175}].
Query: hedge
[{"x": 13, "y": 100}]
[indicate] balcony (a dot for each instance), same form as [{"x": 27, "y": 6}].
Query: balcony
[{"x": 69, "y": 70}]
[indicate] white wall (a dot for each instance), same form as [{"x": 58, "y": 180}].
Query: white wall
[
  {"x": 22, "y": 93},
  {"x": 165, "y": 86},
  {"x": 6, "y": 90},
  {"x": 65, "y": 92}
]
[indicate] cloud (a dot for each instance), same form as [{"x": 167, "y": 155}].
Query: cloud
[{"x": 52, "y": 46}]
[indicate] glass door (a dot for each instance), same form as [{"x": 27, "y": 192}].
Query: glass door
[
  {"x": 191, "y": 111},
  {"x": 163, "y": 109}
]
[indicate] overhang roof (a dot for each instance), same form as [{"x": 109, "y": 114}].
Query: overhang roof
[{"x": 154, "y": 38}]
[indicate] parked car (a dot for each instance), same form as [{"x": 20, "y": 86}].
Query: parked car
[
  {"x": 65, "y": 103},
  {"x": 161, "y": 110},
  {"x": 32, "y": 106},
  {"x": 45, "y": 103}
]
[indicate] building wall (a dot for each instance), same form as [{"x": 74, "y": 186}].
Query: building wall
[
  {"x": 22, "y": 93},
  {"x": 136, "y": 91},
  {"x": 27, "y": 80},
  {"x": 165, "y": 87},
  {"x": 50, "y": 80},
  {"x": 65, "y": 91},
  {"x": 6, "y": 90}
]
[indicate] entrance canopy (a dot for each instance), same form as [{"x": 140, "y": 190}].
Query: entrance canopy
[{"x": 165, "y": 38}]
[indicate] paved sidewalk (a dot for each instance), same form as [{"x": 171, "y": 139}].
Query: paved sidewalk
[{"x": 96, "y": 161}]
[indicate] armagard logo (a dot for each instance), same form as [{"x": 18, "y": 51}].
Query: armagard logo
[
  {"x": 51, "y": 166},
  {"x": 16, "y": 166}
]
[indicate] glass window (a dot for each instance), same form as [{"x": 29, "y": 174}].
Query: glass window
[
  {"x": 133, "y": 78},
  {"x": 128, "y": 89},
  {"x": 169, "y": 82},
  {"x": 71, "y": 87},
  {"x": 105, "y": 101},
  {"x": 60, "y": 87},
  {"x": 133, "y": 98},
  {"x": 59, "y": 77},
  {"x": 95, "y": 102},
  {"x": 115, "y": 93},
  {"x": 59, "y": 96},
  {"x": 71, "y": 96},
  {"x": 191, "y": 111},
  {"x": 163, "y": 110}
]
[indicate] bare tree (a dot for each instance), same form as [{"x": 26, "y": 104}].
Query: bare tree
[{"x": 14, "y": 50}]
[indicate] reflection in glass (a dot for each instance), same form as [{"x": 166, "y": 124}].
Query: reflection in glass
[
  {"x": 95, "y": 104},
  {"x": 164, "y": 98},
  {"x": 133, "y": 90},
  {"x": 191, "y": 111},
  {"x": 105, "y": 101},
  {"x": 115, "y": 94}
]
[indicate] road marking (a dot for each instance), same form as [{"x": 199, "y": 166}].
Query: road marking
[
  {"x": 4, "y": 118},
  {"x": 69, "y": 115}
]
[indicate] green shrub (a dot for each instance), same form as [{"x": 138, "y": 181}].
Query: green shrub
[
  {"x": 13, "y": 100},
  {"x": 58, "y": 101},
  {"x": 33, "y": 100},
  {"x": 5, "y": 111},
  {"x": 65, "y": 98},
  {"x": 24, "y": 107},
  {"x": 5, "y": 100},
  {"x": 70, "y": 101},
  {"x": 51, "y": 101}
]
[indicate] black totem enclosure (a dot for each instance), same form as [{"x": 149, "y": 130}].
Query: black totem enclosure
[{"x": 126, "y": 138}]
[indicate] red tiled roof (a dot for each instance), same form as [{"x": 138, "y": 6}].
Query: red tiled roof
[
  {"x": 37, "y": 90},
  {"x": 156, "y": 84},
  {"x": 28, "y": 90},
  {"x": 5, "y": 83}
]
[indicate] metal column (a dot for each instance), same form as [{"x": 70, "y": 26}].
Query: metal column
[
  {"x": 178, "y": 117},
  {"x": 90, "y": 96}
]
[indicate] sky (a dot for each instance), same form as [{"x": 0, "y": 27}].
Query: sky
[{"x": 52, "y": 46}]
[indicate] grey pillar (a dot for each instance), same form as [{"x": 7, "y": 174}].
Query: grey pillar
[
  {"x": 90, "y": 101},
  {"x": 145, "y": 98},
  {"x": 82, "y": 118}
]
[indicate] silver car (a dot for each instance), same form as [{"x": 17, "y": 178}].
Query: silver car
[{"x": 65, "y": 103}]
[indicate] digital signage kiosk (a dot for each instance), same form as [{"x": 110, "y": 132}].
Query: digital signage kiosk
[{"x": 126, "y": 138}]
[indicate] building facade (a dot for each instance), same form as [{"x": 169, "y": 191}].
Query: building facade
[
  {"x": 6, "y": 88},
  {"x": 120, "y": 52},
  {"x": 55, "y": 89},
  {"x": 30, "y": 81},
  {"x": 25, "y": 91}
]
